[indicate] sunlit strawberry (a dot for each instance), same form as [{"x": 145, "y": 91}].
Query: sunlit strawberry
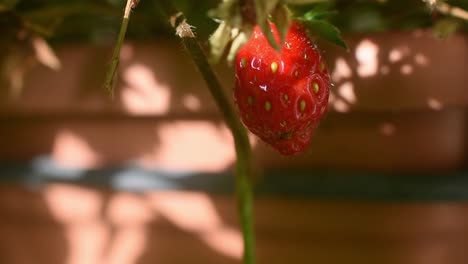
[{"x": 281, "y": 96}]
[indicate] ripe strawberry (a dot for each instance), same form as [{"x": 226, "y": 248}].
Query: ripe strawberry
[{"x": 281, "y": 96}]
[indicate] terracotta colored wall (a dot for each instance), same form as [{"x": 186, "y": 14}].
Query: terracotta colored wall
[
  {"x": 398, "y": 103},
  {"x": 72, "y": 224}
]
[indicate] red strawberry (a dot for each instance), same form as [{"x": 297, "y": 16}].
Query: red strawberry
[{"x": 281, "y": 96}]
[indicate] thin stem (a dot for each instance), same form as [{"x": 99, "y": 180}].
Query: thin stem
[
  {"x": 242, "y": 145},
  {"x": 109, "y": 82}
]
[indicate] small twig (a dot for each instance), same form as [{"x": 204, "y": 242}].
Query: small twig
[
  {"x": 242, "y": 144},
  {"x": 109, "y": 82}
]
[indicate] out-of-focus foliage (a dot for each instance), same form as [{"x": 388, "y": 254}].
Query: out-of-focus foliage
[
  {"x": 29, "y": 26},
  {"x": 98, "y": 20}
]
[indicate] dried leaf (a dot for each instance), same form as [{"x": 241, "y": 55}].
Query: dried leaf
[
  {"x": 219, "y": 41},
  {"x": 228, "y": 11},
  {"x": 236, "y": 44}
]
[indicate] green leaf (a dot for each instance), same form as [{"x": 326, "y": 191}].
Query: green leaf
[
  {"x": 262, "y": 10},
  {"x": 316, "y": 14},
  {"x": 326, "y": 31},
  {"x": 282, "y": 19},
  {"x": 444, "y": 28}
]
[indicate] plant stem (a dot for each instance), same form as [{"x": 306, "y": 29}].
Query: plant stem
[
  {"x": 242, "y": 145},
  {"x": 109, "y": 82}
]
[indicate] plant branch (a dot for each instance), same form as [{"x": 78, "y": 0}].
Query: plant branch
[
  {"x": 109, "y": 82},
  {"x": 242, "y": 145}
]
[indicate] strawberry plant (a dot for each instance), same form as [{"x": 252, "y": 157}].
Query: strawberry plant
[{"x": 282, "y": 83}]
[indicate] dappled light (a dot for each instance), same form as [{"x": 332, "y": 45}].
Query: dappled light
[
  {"x": 128, "y": 209},
  {"x": 128, "y": 245},
  {"x": 366, "y": 55},
  {"x": 73, "y": 203},
  {"x": 191, "y": 102},
  {"x": 130, "y": 215},
  {"x": 395, "y": 55},
  {"x": 114, "y": 229},
  {"x": 434, "y": 104},
  {"x": 70, "y": 149},
  {"x": 144, "y": 93},
  {"x": 100, "y": 226},
  {"x": 421, "y": 59},
  {"x": 341, "y": 70},
  {"x": 195, "y": 213},
  {"x": 378, "y": 68},
  {"x": 162, "y": 121},
  {"x": 192, "y": 145},
  {"x": 341, "y": 106},
  {"x": 406, "y": 69},
  {"x": 346, "y": 91},
  {"x": 387, "y": 128},
  {"x": 45, "y": 54}
]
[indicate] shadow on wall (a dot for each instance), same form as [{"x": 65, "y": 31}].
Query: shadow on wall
[
  {"x": 66, "y": 224},
  {"x": 70, "y": 224}
]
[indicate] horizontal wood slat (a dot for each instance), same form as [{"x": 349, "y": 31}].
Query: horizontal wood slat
[
  {"x": 389, "y": 120},
  {"x": 160, "y": 77},
  {"x": 46, "y": 224},
  {"x": 311, "y": 184}
]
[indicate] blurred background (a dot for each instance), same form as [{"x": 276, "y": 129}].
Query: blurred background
[{"x": 146, "y": 177}]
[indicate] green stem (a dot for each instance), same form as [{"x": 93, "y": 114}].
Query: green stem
[
  {"x": 109, "y": 82},
  {"x": 242, "y": 145}
]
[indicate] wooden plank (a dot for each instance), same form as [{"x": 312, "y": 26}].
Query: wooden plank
[
  {"x": 158, "y": 78},
  {"x": 317, "y": 184},
  {"x": 401, "y": 141},
  {"x": 45, "y": 224}
]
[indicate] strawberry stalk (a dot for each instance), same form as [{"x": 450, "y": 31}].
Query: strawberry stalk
[
  {"x": 242, "y": 144},
  {"x": 109, "y": 82}
]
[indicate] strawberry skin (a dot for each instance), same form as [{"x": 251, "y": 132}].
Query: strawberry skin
[{"x": 281, "y": 96}]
